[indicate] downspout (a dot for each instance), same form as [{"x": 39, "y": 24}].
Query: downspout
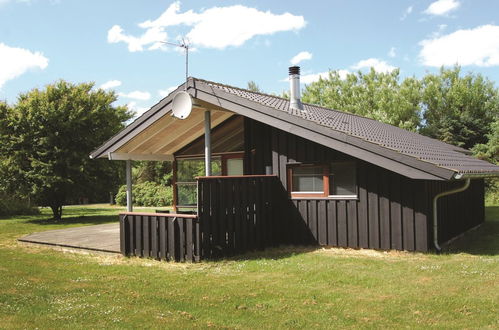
[{"x": 435, "y": 208}]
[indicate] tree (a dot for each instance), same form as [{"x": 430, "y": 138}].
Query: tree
[
  {"x": 459, "y": 109},
  {"x": 150, "y": 171},
  {"x": 46, "y": 138},
  {"x": 490, "y": 152},
  {"x": 375, "y": 95},
  {"x": 252, "y": 86}
]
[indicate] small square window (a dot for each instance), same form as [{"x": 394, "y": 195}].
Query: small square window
[
  {"x": 342, "y": 179},
  {"x": 336, "y": 180},
  {"x": 308, "y": 179}
]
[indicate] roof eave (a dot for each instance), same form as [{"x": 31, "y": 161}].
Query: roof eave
[
  {"x": 458, "y": 176},
  {"x": 151, "y": 115},
  {"x": 378, "y": 155}
]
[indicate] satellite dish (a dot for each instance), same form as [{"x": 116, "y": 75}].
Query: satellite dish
[{"x": 182, "y": 105}]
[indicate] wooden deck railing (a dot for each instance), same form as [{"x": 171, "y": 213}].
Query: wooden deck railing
[
  {"x": 160, "y": 236},
  {"x": 237, "y": 214}
]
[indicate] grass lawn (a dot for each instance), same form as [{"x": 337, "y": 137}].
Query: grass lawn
[{"x": 281, "y": 288}]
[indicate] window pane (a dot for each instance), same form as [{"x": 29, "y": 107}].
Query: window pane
[
  {"x": 187, "y": 193},
  {"x": 307, "y": 179},
  {"x": 189, "y": 169},
  {"x": 342, "y": 179},
  {"x": 235, "y": 166}
]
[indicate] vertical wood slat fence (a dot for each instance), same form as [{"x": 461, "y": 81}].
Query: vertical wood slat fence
[
  {"x": 237, "y": 214},
  {"x": 168, "y": 237}
]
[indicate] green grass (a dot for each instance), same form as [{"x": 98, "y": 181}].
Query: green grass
[{"x": 280, "y": 288}]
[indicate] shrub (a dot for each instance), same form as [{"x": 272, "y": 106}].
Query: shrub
[
  {"x": 147, "y": 194},
  {"x": 492, "y": 191},
  {"x": 12, "y": 205}
]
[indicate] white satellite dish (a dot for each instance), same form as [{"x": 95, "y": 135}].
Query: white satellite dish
[{"x": 182, "y": 105}]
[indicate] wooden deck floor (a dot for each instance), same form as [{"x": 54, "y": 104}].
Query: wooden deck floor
[{"x": 103, "y": 238}]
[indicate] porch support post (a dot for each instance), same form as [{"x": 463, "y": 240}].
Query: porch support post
[
  {"x": 129, "y": 206},
  {"x": 207, "y": 142}
]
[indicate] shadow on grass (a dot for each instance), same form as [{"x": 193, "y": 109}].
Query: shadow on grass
[
  {"x": 88, "y": 211},
  {"x": 84, "y": 220},
  {"x": 481, "y": 241},
  {"x": 281, "y": 252}
]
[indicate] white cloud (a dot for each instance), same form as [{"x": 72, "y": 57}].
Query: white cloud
[
  {"x": 378, "y": 65},
  {"x": 392, "y": 52},
  {"x": 136, "y": 95},
  {"x": 406, "y": 13},
  {"x": 16, "y": 61},
  {"x": 136, "y": 109},
  {"x": 216, "y": 27},
  {"x": 151, "y": 37},
  {"x": 301, "y": 56},
  {"x": 172, "y": 17},
  {"x": 110, "y": 84},
  {"x": 478, "y": 46},
  {"x": 165, "y": 92},
  {"x": 310, "y": 78},
  {"x": 442, "y": 7},
  {"x": 313, "y": 77}
]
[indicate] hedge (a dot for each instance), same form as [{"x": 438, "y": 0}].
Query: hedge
[{"x": 147, "y": 194}]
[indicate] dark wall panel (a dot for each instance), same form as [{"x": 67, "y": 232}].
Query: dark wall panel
[
  {"x": 373, "y": 211},
  {"x": 456, "y": 213},
  {"x": 391, "y": 211},
  {"x": 363, "y": 224},
  {"x": 384, "y": 211},
  {"x": 408, "y": 215}
]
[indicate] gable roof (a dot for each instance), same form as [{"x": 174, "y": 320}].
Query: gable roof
[{"x": 408, "y": 153}]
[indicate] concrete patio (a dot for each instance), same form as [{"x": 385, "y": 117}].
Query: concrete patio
[{"x": 102, "y": 238}]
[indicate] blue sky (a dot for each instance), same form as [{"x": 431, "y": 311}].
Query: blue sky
[{"x": 115, "y": 43}]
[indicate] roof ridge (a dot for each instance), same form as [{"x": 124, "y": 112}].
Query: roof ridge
[
  {"x": 451, "y": 147},
  {"x": 239, "y": 88},
  {"x": 285, "y": 99}
]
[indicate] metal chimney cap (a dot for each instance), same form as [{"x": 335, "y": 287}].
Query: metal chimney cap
[{"x": 294, "y": 70}]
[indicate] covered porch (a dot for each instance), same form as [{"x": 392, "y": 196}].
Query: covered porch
[
  {"x": 222, "y": 204},
  {"x": 234, "y": 214}
]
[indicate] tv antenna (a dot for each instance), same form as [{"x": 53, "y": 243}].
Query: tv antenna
[{"x": 185, "y": 45}]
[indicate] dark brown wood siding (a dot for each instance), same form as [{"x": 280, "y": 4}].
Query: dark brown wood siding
[
  {"x": 457, "y": 213},
  {"x": 160, "y": 236},
  {"x": 237, "y": 214},
  {"x": 390, "y": 212}
]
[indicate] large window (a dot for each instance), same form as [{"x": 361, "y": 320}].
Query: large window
[
  {"x": 187, "y": 171},
  {"x": 190, "y": 168},
  {"x": 334, "y": 180}
]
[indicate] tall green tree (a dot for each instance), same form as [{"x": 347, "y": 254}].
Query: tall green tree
[
  {"x": 459, "y": 109},
  {"x": 490, "y": 152},
  {"x": 46, "y": 138},
  {"x": 252, "y": 86},
  {"x": 149, "y": 171},
  {"x": 376, "y": 95}
]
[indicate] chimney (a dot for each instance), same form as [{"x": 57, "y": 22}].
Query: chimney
[{"x": 294, "y": 84}]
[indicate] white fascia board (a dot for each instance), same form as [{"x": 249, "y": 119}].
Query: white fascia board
[{"x": 127, "y": 156}]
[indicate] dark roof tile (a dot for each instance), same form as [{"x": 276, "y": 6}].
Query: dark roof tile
[{"x": 388, "y": 136}]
